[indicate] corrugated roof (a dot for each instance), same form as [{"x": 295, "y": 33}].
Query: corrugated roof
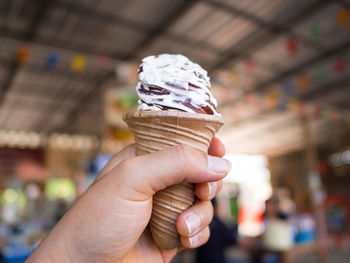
[{"x": 221, "y": 35}]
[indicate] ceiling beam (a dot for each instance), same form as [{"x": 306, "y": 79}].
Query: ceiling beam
[
  {"x": 269, "y": 26},
  {"x": 91, "y": 13},
  {"x": 344, "y": 103},
  {"x": 234, "y": 11},
  {"x": 264, "y": 35},
  {"x": 344, "y": 3},
  {"x": 42, "y": 7},
  {"x": 141, "y": 28},
  {"x": 161, "y": 28},
  {"x": 53, "y": 108}
]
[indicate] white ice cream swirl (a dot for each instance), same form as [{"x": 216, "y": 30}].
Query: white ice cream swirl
[{"x": 173, "y": 82}]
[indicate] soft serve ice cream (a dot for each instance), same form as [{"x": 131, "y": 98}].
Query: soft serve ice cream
[
  {"x": 173, "y": 82},
  {"x": 175, "y": 107}
]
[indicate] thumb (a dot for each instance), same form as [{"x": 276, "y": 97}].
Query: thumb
[
  {"x": 127, "y": 152},
  {"x": 140, "y": 177}
]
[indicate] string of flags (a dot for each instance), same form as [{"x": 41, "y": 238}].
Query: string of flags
[
  {"x": 274, "y": 100},
  {"x": 299, "y": 83},
  {"x": 76, "y": 62},
  {"x": 284, "y": 96}
]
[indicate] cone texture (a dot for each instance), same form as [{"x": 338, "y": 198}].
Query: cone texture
[{"x": 156, "y": 130}]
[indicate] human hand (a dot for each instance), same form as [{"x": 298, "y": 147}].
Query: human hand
[{"x": 108, "y": 223}]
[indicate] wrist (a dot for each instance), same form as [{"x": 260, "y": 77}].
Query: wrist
[{"x": 57, "y": 247}]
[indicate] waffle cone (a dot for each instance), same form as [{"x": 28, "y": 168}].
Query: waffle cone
[{"x": 156, "y": 130}]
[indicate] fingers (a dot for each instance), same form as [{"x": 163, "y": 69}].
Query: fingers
[
  {"x": 127, "y": 152},
  {"x": 197, "y": 240},
  {"x": 192, "y": 224},
  {"x": 207, "y": 191},
  {"x": 216, "y": 148},
  {"x": 195, "y": 219},
  {"x": 153, "y": 172}
]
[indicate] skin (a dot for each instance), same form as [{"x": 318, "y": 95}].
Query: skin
[{"x": 108, "y": 223}]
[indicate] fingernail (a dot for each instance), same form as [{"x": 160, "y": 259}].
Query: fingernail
[
  {"x": 193, "y": 222},
  {"x": 218, "y": 165},
  {"x": 194, "y": 240},
  {"x": 212, "y": 189}
]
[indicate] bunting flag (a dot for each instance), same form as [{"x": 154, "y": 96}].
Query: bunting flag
[
  {"x": 251, "y": 98},
  {"x": 303, "y": 82},
  {"x": 78, "y": 63},
  {"x": 321, "y": 75},
  {"x": 288, "y": 89},
  {"x": 347, "y": 118},
  {"x": 102, "y": 61},
  {"x": 334, "y": 115},
  {"x": 314, "y": 31},
  {"x": 317, "y": 112},
  {"x": 342, "y": 17},
  {"x": 249, "y": 65},
  {"x": 272, "y": 99},
  {"x": 339, "y": 65},
  {"x": 292, "y": 45},
  {"x": 22, "y": 55},
  {"x": 52, "y": 60},
  {"x": 129, "y": 101},
  {"x": 291, "y": 105},
  {"x": 282, "y": 104},
  {"x": 301, "y": 108},
  {"x": 233, "y": 76}
]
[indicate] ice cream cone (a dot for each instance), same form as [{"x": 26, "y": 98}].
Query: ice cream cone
[{"x": 156, "y": 130}]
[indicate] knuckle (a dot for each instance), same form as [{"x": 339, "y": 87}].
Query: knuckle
[
  {"x": 127, "y": 164},
  {"x": 188, "y": 155},
  {"x": 183, "y": 151},
  {"x": 183, "y": 155}
]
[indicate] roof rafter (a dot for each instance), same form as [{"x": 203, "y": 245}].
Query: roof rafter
[{"x": 264, "y": 35}]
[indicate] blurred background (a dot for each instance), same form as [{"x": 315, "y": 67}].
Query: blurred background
[{"x": 279, "y": 69}]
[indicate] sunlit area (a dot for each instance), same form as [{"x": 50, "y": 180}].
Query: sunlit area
[
  {"x": 250, "y": 175},
  {"x": 95, "y": 95}
]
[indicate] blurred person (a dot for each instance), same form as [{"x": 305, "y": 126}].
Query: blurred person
[
  {"x": 277, "y": 236},
  {"x": 108, "y": 223},
  {"x": 286, "y": 204},
  {"x": 221, "y": 236}
]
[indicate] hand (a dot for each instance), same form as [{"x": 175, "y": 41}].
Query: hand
[{"x": 108, "y": 223}]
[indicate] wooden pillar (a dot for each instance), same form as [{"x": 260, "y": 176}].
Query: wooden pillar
[{"x": 314, "y": 182}]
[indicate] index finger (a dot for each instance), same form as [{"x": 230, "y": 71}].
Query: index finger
[{"x": 216, "y": 148}]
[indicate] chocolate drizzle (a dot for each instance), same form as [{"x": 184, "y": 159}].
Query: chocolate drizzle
[{"x": 173, "y": 82}]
